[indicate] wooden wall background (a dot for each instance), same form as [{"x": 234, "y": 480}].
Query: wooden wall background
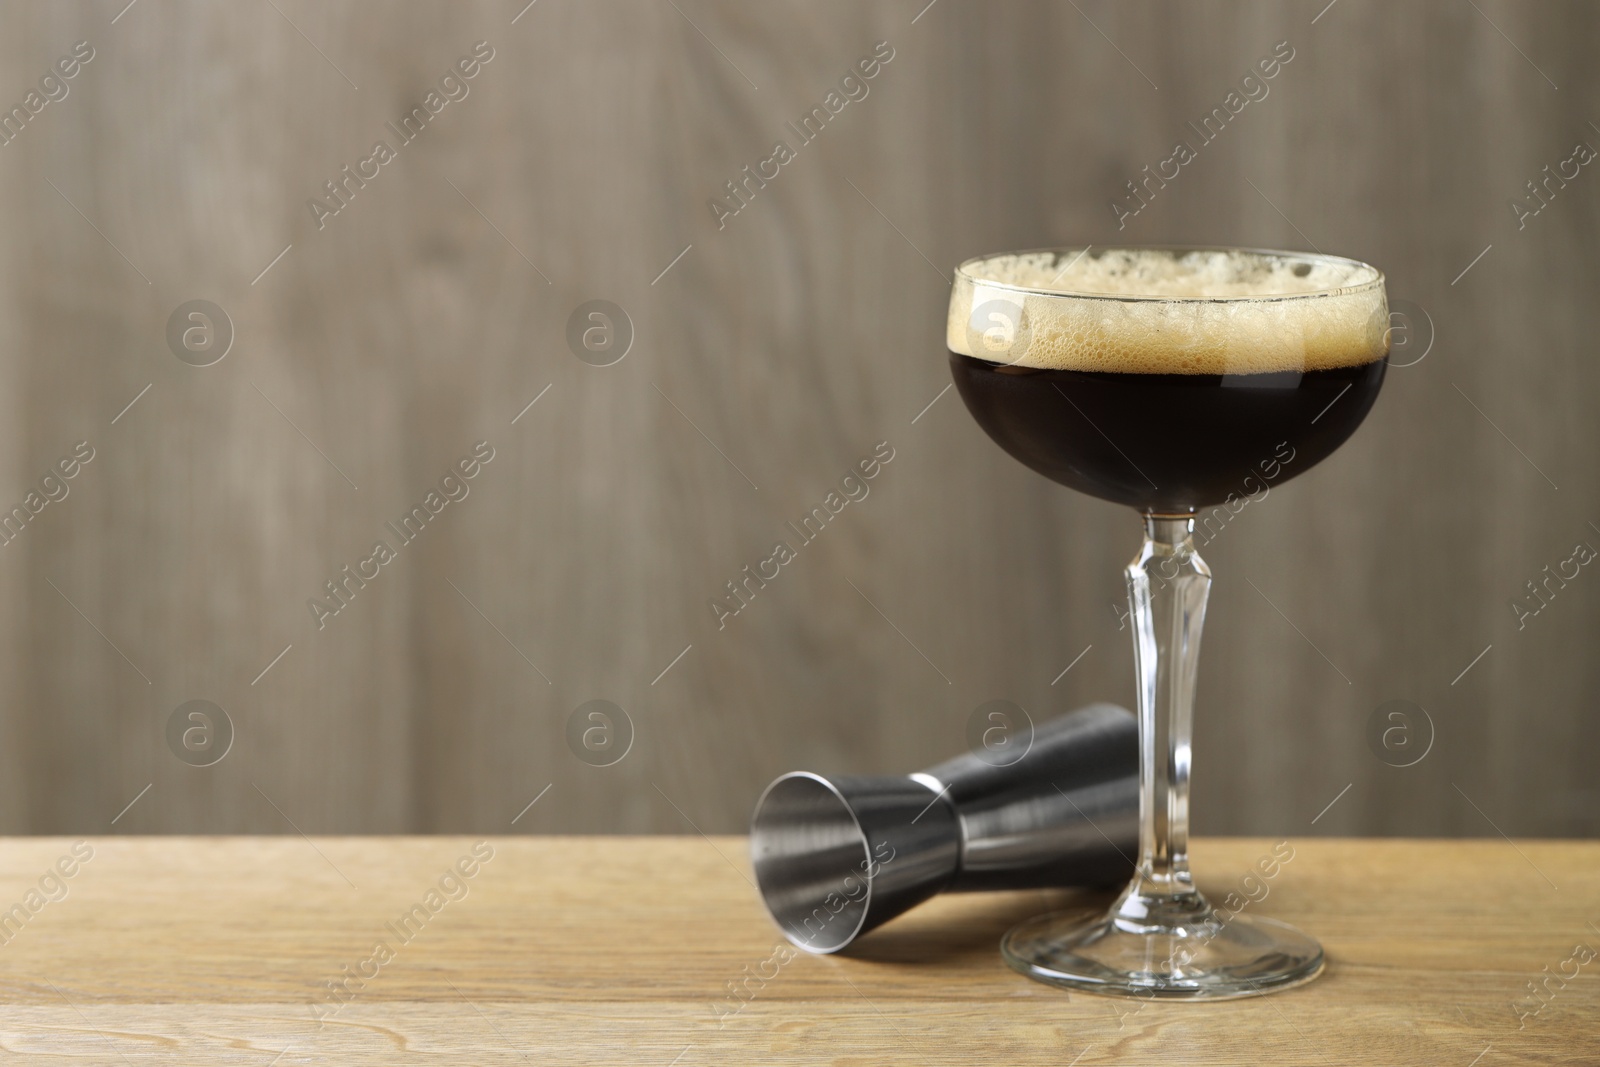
[{"x": 796, "y": 338}]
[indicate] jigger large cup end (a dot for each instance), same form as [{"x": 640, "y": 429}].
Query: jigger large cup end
[{"x": 836, "y": 857}]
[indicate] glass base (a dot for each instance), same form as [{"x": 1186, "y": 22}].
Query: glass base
[{"x": 1202, "y": 958}]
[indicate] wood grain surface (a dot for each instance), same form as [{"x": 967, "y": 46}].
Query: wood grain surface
[
  {"x": 770, "y": 354},
  {"x": 622, "y": 949}
]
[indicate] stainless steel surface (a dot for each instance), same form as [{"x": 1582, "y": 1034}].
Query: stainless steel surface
[
  {"x": 835, "y": 858},
  {"x": 1067, "y": 813}
]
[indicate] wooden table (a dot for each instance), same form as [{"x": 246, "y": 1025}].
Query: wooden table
[{"x": 620, "y": 950}]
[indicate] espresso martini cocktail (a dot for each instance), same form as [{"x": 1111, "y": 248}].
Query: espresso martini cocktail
[
  {"x": 1170, "y": 380},
  {"x": 1165, "y": 379}
]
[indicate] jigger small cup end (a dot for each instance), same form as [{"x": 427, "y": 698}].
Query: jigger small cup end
[
  {"x": 805, "y": 844},
  {"x": 836, "y": 858}
]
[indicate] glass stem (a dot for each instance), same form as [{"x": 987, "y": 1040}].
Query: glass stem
[{"x": 1168, "y": 584}]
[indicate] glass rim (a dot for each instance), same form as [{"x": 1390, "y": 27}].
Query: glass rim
[{"x": 1376, "y": 282}]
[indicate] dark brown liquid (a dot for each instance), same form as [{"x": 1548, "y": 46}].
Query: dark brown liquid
[{"x": 1167, "y": 442}]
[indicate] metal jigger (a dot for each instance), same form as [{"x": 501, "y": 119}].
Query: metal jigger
[{"x": 836, "y": 857}]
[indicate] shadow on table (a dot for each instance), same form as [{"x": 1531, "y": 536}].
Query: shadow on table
[{"x": 961, "y": 926}]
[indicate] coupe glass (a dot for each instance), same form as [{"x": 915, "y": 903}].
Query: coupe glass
[{"x": 1186, "y": 383}]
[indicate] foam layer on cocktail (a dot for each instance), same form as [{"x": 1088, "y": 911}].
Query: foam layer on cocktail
[{"x": 1155, "y": 311}]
